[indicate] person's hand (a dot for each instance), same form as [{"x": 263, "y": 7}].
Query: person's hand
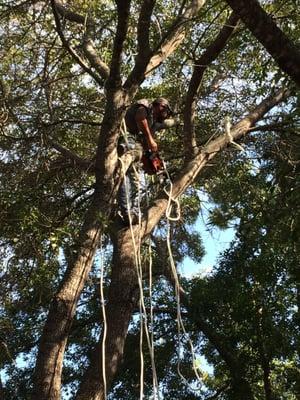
[{"x": 152, "y": 145}]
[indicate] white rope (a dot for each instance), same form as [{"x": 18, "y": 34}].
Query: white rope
[
  {"x": 102, "y": 299},
  {"x": 171, "y": 200},
  {"x": 143, "y": 311},
  {"x": 180, "y": 324},
  {"x": 227, "y": 126}
]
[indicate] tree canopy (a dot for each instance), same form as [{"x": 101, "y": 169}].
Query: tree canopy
[{"x": 92, "y": 310}]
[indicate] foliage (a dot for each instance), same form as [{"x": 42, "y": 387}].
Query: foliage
[{"x": 251, "y": 298}]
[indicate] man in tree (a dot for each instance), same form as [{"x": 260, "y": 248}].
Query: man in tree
[{"x": 142, "y": 120}]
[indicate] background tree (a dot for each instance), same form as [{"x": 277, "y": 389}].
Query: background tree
[{"x": 68, "y": 74}]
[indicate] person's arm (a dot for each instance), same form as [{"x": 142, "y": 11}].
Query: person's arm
[
  {"x": 166, "y": 124},
  {"x": 142, "y": 123}
]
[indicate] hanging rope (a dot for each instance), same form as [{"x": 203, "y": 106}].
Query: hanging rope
[
  {"x": 227, "y": 126},
  {"x": 143, "y": 312},
  {"x": 102, "y": 299},
  {"x": 180, "y": 324},
  {"x": 171, "y": 200}
]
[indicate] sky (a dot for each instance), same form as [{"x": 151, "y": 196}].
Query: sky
[{"x": 215, "y": 242}]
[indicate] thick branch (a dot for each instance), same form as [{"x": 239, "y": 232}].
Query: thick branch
[
  {"x": 70, "y": 50},
  {"x": 144, "y": 53},
  {"x": 194, "y": 166},
  {"x": 171, "y": 41},
  {"x": 68, "y": 14},
  {"x": 174, "y": 36},
  {"x": 78, "y": 161},
  {"x": 91, "y": 53},
  {"x": 262, "y": 26},
  {"x": 88, "y": 46},
  {"x": 143, "y": 28},
  {"x": 114, "y": 79},
  {"x": 210, "y": 54}
]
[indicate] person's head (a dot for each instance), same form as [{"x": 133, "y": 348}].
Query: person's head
[{"x": 161, "y": 109}]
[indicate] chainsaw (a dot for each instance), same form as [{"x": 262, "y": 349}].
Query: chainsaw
[{"x": 152, "y": 163}]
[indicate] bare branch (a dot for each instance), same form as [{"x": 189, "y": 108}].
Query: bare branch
[
  {"x": 71, "y": 51},
  {"x": 143, "y": 28},
  {"x": 78, "y": 161},
  {"x": 174, "y": 36},
  {"x": 144, "y": 51},
  {"x": 91, "y": 54},
  {"x": 170, "y": 42},
  {"x": 68, "y": 14},
  {"x": 88, "y": 46},
  {"x": 210, "y": 54},
  {"x": 122, "y": 27}
]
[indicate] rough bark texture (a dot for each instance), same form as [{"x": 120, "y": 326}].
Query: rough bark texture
[
  {"x": 47, "y": 382},
  {"x": 121, "y": 301},
  {"x": 57, "y": 327},
  {"x": 280, "y": 47},
  {"x": 121, "y": 304}
]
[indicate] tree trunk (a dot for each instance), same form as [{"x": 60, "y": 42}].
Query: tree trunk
[
  {"x": 122, "y": 300},
  {"x": 279, "y": 46},
  {"x": 47, "y": 380}
]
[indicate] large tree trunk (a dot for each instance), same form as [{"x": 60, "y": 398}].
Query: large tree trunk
[
  {"x": 280, "y": 47},
  {"x": 47, "y": 381},
  {"x": 122, "y": 300}
]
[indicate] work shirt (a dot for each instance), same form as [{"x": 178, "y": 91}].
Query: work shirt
[{"x": 130, "y": 115}]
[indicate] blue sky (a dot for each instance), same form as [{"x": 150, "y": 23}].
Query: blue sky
[{"x": 215, "y": 242}]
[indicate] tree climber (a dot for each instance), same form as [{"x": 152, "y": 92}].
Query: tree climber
[{"x": 142, "y": 120}]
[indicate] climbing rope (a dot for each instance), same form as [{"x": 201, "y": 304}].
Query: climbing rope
[
  {"x": 180, "y": 324},
  {"x": 171, "y": 199},
  {"x": 102, "y": 299},
  {"x": 142, "y": 307},
  {"x": 227, "y": 126}
]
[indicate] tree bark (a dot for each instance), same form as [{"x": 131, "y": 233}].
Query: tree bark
[
  {"x": 122, "y": 302},
  {"x": 279, "y": 46},
  {"x": 47, "y": 380}
]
